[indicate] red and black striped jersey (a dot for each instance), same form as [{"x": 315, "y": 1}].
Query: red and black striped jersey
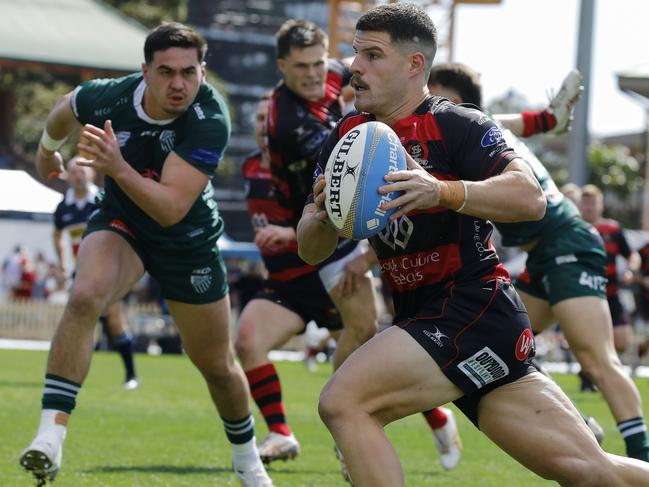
[
  {"x": 282, "y": 262},
  {"x": 296, "y": 130},
  {"x": 615, "y": 244},
  {"x": 428, "y": 250}
]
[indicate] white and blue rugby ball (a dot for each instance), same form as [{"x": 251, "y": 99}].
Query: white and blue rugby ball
[{"x": 354, "y": 173}]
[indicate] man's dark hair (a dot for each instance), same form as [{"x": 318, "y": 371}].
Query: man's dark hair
[
  {"x": 406, "y": 23},
  {"x": 299, "y": 33},
  {"x": 173, "y": 34},
  {"x": 460, "y": 78}
]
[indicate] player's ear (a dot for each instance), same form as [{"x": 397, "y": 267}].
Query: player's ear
[
  {"x": 281, "y": 65},
  {"x": 417, "y": 62},
  {"x": 145, "y": 71}
]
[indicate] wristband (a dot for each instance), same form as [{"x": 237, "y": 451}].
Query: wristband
[
  {"x": 466, "y": 196},
  {"x": 49, "y": 143}
]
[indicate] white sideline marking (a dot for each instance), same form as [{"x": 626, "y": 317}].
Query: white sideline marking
[{"x": 293, "y": 356}]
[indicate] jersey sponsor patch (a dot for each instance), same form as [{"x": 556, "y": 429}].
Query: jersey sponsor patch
[
  {"x": 484, "y": 367},
  {"x": 524, "y": 345},
  {"x": 201, "y": 279},
  {"x": 208, "y": 156}
]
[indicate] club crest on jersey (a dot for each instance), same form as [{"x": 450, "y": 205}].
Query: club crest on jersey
[
  {"x": 201, "y": 279},
  {"x": 122, "y": 137},
  {"x": 167, "y": 140},
  {"x": 492, "y": 137},
  {"x": 419, "y": 153}
]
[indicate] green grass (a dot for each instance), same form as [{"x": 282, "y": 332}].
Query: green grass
[{"x": 168, "y": 434}]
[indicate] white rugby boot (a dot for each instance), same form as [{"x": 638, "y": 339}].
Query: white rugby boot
[
  {"x": 255, "y": 477},
  {"x": 278, "y": 447},
  {"x": 43, "y": 458},
  {"x": 447, "y": 440},
  {"x": 563, "y": 102}
]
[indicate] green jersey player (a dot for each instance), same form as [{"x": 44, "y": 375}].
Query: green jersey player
[
  {"x": 158, "y": 137},
  {"x": 564, "y": 279}
]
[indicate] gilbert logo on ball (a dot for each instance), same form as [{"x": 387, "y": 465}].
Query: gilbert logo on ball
[{"x": 354, "y": 173}]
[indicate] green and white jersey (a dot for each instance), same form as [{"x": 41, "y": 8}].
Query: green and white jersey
[
  {"x": 199, "y": 136},
  {"x": 560, "y": 210}
]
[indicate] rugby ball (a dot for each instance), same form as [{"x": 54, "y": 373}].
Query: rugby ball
[{"x": 355, "y": 171}]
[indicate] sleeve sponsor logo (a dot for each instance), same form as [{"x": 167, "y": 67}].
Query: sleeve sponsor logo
[
  {"x": 484, "y": 367},
  {"x": 492, "y": 137},
  {"x": 199, "y": 111},
  {"x": 208, "y": 156}
]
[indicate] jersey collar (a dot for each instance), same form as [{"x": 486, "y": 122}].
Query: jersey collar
[{"x": 138, "y": 97}]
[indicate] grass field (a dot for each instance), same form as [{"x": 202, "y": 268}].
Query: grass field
[{"x": 167, "y": 433}]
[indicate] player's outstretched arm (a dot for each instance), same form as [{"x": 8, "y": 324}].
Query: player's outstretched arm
[
  {"x": 60, "y": 123},
  {"x": 316, "y": 238}
]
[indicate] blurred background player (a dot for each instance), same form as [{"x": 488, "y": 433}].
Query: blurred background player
[
  {"x": 292, "y": 296},
  {"x": 617, "y": 247},
  {"x": 70, "y": 217},
  {"x": 304, "y": 107},
  {"x": 564, "y": 277},
  {"x": 572, "y": 191}
]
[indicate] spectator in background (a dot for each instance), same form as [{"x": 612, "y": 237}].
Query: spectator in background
[
  {"x": 12, "y": 270},
  {"x": 573, "y": 192},
  {"x": 616, "y": 245},
  {"x": 23, "y": 289}
]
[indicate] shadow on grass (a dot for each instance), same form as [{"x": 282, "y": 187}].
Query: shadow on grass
[
  {"x": 179, "y": 469},
  {"x": 172, "y": 469}
]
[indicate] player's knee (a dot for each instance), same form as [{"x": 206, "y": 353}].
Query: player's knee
[
  {"x": 333, "y": 403},
  {"x": 215, "y": 368},
  {"x": 244, "y": 344},
  {"x": 86, "y": 301},
  {"x": 597, "y": 367}
]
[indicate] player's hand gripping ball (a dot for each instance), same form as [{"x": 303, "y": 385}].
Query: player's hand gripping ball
[{"x": 354, "y": 173}]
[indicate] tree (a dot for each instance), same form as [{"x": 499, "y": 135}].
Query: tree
[
  {"x": 151, "y": 13},
  {"x": 613, "y": 168}
]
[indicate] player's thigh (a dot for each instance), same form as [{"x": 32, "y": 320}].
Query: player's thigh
[
  {"x": 411, "y": 382},
  {"x": 204, "y": 329},
  {"x": 533, "y": 421},
  {"x": 264, "y": 324},
  {"x": 586, "y": 324},
  {"x": 107, "y": 265},
  {"x": 538, "y": 310}
]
